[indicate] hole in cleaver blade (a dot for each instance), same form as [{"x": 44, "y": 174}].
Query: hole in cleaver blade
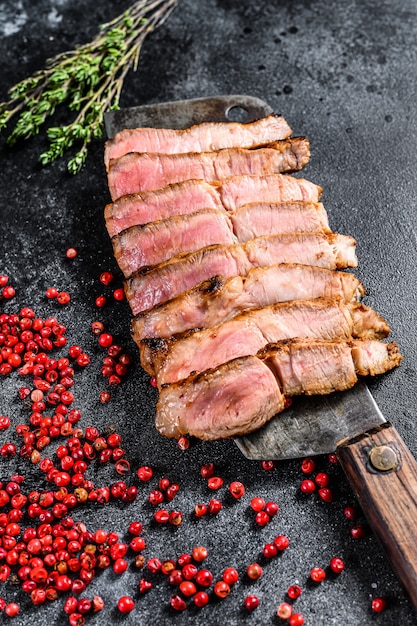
[
  {"x": 313, "y": 425},
  {"x": 181, "y": 114}
]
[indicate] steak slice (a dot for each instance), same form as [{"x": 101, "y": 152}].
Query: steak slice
[
  {"x": 239, "y": 190},
  {"x": 140, "y": 171},
  {"x": 153, "y": 243},
  {"x": 332, "y": 251},
  {"x": 219, "y": 298},
  {"x": 198, "y": 138},
  {"x": 159, "y": 204},
  {"x": 191, "y": 195},
  {"x": 301, "y": 372},
  {"x": 162, "y": 282},
  {"x": 236, "y": 398},
  {"x": 263, "y": 218},
  {"x": 240, "y": 396},
  {"x": 247, "y": 333}
]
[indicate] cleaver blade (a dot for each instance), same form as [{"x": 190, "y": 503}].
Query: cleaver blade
[
  {"x": 181, "y": 114},
  {"x": 313, "y": 425},
  {"x": 377, "y": 463}
]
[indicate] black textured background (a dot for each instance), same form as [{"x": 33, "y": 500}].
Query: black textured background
[{"x": 344, "y": 75}]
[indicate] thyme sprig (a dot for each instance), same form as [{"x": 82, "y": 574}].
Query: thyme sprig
[{"x": 88, "y": 80}]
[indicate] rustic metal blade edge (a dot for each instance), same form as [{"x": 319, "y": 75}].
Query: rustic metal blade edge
[
  {"x": 313, "y": 425},
  {"x": 181, "y": 114}
]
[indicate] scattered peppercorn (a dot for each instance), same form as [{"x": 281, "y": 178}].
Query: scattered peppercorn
[
  {"x": 251, "y": 602},
  {"x": 317, "y": 574},
  {"x": 378, "y": 605},
  {"x": 337, "y": 565},
  {"x": 71, "y": 253},
  {"x": 284, "y": 610},
  {"x": 125, "y": 604}
]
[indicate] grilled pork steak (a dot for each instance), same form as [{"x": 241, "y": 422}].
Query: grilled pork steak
[
  {"x": 331, "y": 251},
  {"x": 247, "y": 333},
  {"x": 192, "y": 195},
  {"x": 239, "y": 396},
  {"x": 224, "y": 264},
  {"x": 239, "y": 190},
  {"x": 155, "y": 242},
  {"x": 167, "y": 280},
  {"x": 219, "y": 298},
  {"x": 264, "y": 218},
  {"x": 234, "y": 399},
  {"x": 137, "y": 171},
  {"x": 151, "y": 206},
  {"x": 199, "y": 138}
]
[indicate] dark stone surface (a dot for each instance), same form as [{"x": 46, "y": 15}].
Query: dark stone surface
[{"x": 343, "y": 74}]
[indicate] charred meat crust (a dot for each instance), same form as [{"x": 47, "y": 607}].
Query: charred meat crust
[
  {"x": 211, "y": 286},
  {"x": 219, "y": 298},
  {"x": 248, "y": 332}
]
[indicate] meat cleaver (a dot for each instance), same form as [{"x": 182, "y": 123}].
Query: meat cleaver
[{"x": 380, "y": 468}]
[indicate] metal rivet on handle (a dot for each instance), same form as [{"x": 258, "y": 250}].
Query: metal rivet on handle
[{"x": 383, "y": 458}]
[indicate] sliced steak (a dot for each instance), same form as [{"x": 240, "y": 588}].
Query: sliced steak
[
  {"x": 303, "y": 368},
  {"x": 247, "y": 333},
  {"x": 322, "y": 367},
  {"x": 219, "y": 298},
  {"x": 198, "y": 138},
  {"x": 374, "y": 358},
  {"x": 239, "y": 396},
  {"x": 263, "y": 218},
  {"x": 234, "y": 399},
  {"x": 151, "y": 206},
  {"x": 150, "y": 244},
  {"x": 331, "y": 251},
  {"x": 239, "y": 190},
  {"x": 191, "y": 195},
  {"x": 167, "y": 280},
  {"x": 136, "y": 171}
]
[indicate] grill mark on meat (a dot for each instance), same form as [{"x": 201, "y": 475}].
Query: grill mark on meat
[
  {"x": 202, "y": 406},
  {"x": 149, "y": 244},
  {"x": 198, "y": 138},
  {"x": 147, "y": 288},
  {"x": 219, "y": 298},
  {"x": 249, "y": 332},
  {"x": 135, "y": 171}
]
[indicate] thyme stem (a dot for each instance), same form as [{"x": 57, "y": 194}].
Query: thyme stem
[{"x": 87, "y": 80}]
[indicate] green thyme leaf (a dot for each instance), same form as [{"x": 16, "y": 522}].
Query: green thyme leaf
[{"x": 87, "y": 80}]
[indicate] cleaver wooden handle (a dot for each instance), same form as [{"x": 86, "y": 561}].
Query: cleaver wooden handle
[{"x": 383, "y": 474}]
